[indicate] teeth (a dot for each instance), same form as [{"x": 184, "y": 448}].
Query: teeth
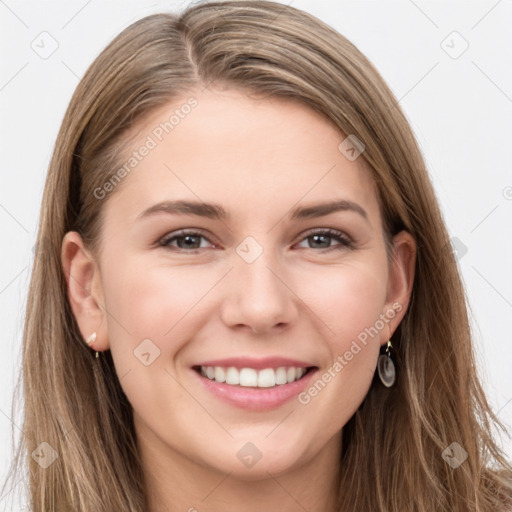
[
  {"x": 232, "y": 376},
  {"x": 249, "y": 377},
  {"x": 266, "y": 378},
  {"x": 220, "y": 374},
  {"x": 281, "y": 376}
]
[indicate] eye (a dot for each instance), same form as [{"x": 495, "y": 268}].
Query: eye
[
  {"x": 320, "y": 236},
  {"x": 190, "y": 241},
  {"x": 185, "y": 240}
]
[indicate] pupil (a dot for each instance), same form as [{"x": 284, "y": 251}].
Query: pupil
[
  {"x": 188, "y": 238},
  {"x": 316, "y": 237}
]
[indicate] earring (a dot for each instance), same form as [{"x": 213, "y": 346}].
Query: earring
[
  {"x": 386, "y": 367},
  {"x": 90, "y": 340}
]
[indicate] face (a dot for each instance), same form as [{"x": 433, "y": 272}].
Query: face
[{"x": 256, "y": 283}]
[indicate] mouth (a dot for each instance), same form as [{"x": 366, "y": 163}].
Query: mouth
[
  {"x": 253, "y": 378},
  {"x": 254, "y": 385}
]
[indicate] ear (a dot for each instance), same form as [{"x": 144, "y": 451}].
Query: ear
[
  {"x": 84, "y": 289},
  {"x": 400, "y": 281}
]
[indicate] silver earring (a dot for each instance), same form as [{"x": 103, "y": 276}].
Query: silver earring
[
  {"x": 386, "y": 367},
  {"x": 90, "y": 340}
]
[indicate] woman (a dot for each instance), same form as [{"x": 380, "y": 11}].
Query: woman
[{"x": 256, "y": 370}]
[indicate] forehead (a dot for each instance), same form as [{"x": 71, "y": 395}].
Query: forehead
[{"x": 251, "y": 155}]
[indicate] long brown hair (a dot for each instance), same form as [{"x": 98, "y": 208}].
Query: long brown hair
[{"x": 392, "y": 446}]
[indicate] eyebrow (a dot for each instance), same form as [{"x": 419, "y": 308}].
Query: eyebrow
[{"x": 217, "y": 212}]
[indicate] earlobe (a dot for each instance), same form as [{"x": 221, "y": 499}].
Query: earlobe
[
  {"x": 83, "y": 284},
  {"x": 401, "y": 278}
]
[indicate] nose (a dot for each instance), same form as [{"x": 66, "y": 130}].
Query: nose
[{"x": 259, "y": 297}]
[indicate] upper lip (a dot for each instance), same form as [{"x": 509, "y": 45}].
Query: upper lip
[{"x": 257, "y": 364}]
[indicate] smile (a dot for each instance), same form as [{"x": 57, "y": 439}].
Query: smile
[
  {"x": 250, "y": 377},
  {"x": 254, "y": 384}
]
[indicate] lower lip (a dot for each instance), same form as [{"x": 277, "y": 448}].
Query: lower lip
[{"x": 257, "y": 399}]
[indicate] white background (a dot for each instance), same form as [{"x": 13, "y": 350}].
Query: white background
[{"x": 460, "y": 109}]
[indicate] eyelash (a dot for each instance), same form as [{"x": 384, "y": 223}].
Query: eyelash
[{"x": 345, "y": 241}]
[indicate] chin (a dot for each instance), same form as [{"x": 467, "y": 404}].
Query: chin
[{"x": 253, "y": 461}]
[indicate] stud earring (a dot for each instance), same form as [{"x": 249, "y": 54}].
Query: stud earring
[
  {"x": 386, "y": 367},
  {"x": 90, "y": 340}
]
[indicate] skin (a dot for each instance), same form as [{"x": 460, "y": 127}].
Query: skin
[{"x": 258, "y": 159}]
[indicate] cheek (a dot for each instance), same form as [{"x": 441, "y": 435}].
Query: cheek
[
  {"x": 167, "y": 304},
  {"x": 350, "y": 302},
  {"x": 348, "y": 299},
  {"x": 154, "y": 301},
  {"x": 154, "y": 311}
]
